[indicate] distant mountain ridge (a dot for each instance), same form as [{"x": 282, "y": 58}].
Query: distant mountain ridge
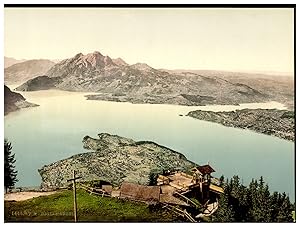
[
  {"x": 26, "y": 70},
  {"x": 11, "y": 61},
  {"x": 115, "y": 80}
]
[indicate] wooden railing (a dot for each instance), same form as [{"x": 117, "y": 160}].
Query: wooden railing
[
  {"x": 95, "y": 191},
  {"x": 187, "y": 199},
  {"x": 182, "y": 213}
]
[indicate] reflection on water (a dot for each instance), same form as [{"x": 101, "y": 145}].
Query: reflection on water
[{"x": 55, "y": 129}]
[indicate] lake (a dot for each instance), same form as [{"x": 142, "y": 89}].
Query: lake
[{"x": 55, "y": 130}]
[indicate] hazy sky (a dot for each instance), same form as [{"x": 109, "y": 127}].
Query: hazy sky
[{"x": 217, "y": 39}]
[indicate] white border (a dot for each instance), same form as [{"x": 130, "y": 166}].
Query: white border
[{"x": 139, "y": 2}]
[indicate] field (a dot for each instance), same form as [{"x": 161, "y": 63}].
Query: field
[{"x": 59, "y": 208}]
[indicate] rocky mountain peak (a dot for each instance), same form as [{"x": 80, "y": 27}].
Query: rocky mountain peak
[
  {"x": 142, "y": 66},
  {"x": 95, "y": 59},
  {"x": 108, "y": 61},
  {"x": 97, "y": 53},
  {"x": 78, "y": 55},
  {"x": 119, "y": 62}
]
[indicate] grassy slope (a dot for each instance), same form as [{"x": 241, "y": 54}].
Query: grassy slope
[{"x": 59, "y": 208}]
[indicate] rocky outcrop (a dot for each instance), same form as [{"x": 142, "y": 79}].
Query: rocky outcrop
[
  {"x": 24, "y": 71},
  {"x": 115, "y": 80},
  {"x": 39, "y": 83},
  {"x": 114, "y": 159},
  {"x": 119, "y": 62},
  {"x": 14, "y": 101},
  {"x": 279, "y": 123}
]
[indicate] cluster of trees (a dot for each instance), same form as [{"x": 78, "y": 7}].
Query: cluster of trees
[
  {"x": 254, "y": 203},
  {"x": 10, "y": 174}
]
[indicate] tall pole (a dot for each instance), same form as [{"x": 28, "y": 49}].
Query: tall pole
[{"x": 74, "y": 194}]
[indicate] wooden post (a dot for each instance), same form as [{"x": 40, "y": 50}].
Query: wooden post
[
  {"x": 74, "y": 194},
  {"x": 201, "y": 190}
]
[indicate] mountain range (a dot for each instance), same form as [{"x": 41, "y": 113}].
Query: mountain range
[
  {"x": 116, "y": 80},
  {"x": 20, "y": 72},
  {"x": 11, "y": 61}
]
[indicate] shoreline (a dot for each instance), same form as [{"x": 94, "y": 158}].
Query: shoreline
[{"x": 262, "y": 121}]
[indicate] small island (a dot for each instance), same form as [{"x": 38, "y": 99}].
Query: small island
[{"x": 279, "y": 123}]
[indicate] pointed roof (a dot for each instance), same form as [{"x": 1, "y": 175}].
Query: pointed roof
[{"x": 205, "y": 169}]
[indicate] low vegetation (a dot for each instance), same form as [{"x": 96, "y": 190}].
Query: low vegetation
[{"x": 59, "y": 208}]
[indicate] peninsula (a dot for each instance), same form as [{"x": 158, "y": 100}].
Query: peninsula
[
  {"x": 115, "y": 159},
  {"x": 279, "y": 123}
]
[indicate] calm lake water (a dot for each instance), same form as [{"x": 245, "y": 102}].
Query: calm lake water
[{"x": 55, "y": 130}]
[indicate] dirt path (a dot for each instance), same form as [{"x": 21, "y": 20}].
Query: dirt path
[{"x": 20, "y": 196}]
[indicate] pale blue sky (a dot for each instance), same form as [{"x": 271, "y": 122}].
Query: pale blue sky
[{"x": 217, "y": 39}]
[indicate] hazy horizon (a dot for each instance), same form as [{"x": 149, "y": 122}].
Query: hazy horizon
[
  {"x": 271, "y": 73},
  {"x": 236, "y": 40}
]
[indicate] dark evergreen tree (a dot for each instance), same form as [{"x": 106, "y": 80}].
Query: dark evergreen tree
[
  {"x": 274, "y": 201},
  {"x": 152, "y": 178},
  {"x": 239, "y": 199},
  {"x": 10, "y": 174},
  {"x": 222, "y": 181},
  {"x": 234, "y": 187},
  {"x": 285, "y": 209},
  {"x": 243, "y": 207},
  {"x": 264, "y": 202},
  {"x": 225, "y": 212},
  {"x": 260, "y": 210},
  {"x": 252, "y": 204},
  {"x": 253, "y": 200}
]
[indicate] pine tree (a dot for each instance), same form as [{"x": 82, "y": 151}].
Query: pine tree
[
  {"x": 252, "y": 204},
  {"x": 225, "y": 212},
  {"x": 234, "y": 196},
  {"x": 10, "y": 174},
  {"x": 222, "y": 181},
  {"x": 243, "y": 204},
  {"x": 261, "y": 204},
  {"x": 239, "y": 199},
  {"x": 275, "y": 198},
  {"x": 265, "y": 207},
  {"x": 285, "y": 209}
]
